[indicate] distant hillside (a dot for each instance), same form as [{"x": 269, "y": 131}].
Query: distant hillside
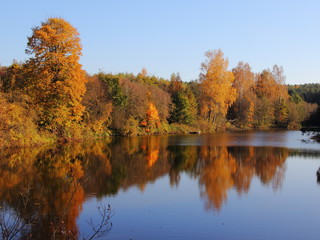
[{"x": 310, "y": 92}]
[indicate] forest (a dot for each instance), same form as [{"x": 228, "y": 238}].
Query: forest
[{"x": 50, "y": 98}]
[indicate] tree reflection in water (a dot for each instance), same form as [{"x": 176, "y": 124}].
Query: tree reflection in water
[
  {"x": 51, "y": 175},
  {"x": 234, "y": 167}
]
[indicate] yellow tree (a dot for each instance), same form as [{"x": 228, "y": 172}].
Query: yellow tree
[
  {"x": 55, "y": 79},
  {"x": 152, "y": 117},
  {"x": 281, "y": 104},
  {"x": 243, "y": 108},
  {"x": 266, "y": 86},
  {"x": 217, "y": 177},
  {"x": 272, "y": 96},
  {"x": 217, "y": 92}
]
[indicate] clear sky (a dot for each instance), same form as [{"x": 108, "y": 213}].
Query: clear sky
[{"x": 169, "y": 36}]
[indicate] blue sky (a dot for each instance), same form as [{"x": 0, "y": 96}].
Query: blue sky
[{"x": 168, "y": 36}]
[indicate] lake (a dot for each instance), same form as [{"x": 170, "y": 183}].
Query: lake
[{"x": 241, "y": 185}]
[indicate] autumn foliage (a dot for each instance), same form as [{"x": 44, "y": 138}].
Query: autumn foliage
[
  {"x": 55, "y": 79},
  {"x": 49, "y": 97},
  {"x": 152, "y": 119},
  {"x": 243, "y": 108},
  {"x": 217, "y": 92}
]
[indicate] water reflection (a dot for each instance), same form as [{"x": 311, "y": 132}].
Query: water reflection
[
  {"x": 51, "y": 179},
  {"x": 40, "y": 184},
  {"x": 234, "y": 167}
]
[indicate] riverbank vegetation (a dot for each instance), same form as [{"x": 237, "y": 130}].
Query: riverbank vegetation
[{"x": 50, "y": 98}]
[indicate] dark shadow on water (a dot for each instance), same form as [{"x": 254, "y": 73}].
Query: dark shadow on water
[{"x": 318, "y": 176}]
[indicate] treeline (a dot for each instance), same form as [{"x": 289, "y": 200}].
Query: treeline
[
  {"x": 309, "y": 92},
  {"x": 49, "y": 97}
]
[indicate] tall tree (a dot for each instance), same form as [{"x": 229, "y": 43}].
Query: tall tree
[
  {"x": 216, "y": 87},
  {"x": 243, "y": 108},
  {"x": 281, "y": 104},
  {"x": 266, "y": 91},
  {"x": 55, "y": 79},
  {"x": 272, "y": 102}
]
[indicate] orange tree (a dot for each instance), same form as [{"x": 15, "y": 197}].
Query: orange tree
[
  {"x": 55, "y": 78},
  {"x": 152, "y": 120},
  {"x": 217, "y": 92}
]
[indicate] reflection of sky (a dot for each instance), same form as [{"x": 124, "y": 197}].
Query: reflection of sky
[
  {"x": 155, "y": 210},
  {"x": 162, "y": 211},
  {"x": 289, "y": 139}
]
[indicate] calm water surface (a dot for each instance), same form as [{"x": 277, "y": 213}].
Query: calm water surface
[{"x": 245, "y": 185}]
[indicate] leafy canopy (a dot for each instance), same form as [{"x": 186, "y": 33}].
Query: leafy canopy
[{"x": 55, "y": 79}]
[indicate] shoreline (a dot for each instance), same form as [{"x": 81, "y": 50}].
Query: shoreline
[{"x": 54, "y": 140}]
